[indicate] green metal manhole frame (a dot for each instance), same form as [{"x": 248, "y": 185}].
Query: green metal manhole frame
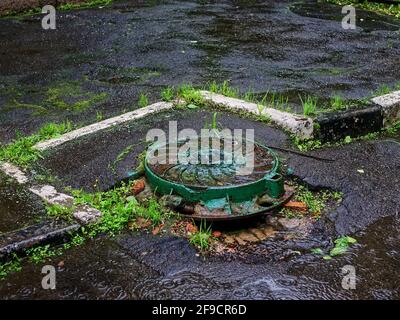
[{"x": 272, "y": 183}]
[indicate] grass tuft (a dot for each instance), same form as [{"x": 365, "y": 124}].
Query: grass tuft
[
  {"x": 202, "y": 237},
  {"x": 21, "y": 151},
  {"x": 143, "y": 100},
  {"x": 309, "y": 105},
  {"x": 168, "y": 94}
]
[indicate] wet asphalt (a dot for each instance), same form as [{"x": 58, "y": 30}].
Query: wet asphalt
[{"x": 132, "y": 48}]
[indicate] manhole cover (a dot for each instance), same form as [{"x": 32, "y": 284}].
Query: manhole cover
[{"x": 217, "y": 179}]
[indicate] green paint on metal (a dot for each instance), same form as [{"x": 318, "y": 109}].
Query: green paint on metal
[{"x": 272, "y": 183}]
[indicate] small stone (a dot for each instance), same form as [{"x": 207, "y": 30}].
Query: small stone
[
  {"x": 289, "y": 224},
  {"x": 216, "y": 234},
  {"x": 191, "y": 228},
  {"x": 171, "y": 201},
  {"x": 269, "y": 231},
  {"x": 240, "y": 241},
  {"x": 229, "y": 239},
  {"x": 296, "y": 205},
  {"x": 265, "y": 200},
  {"x": 86, "y": 214},
  {"x": 138, "y": 186},
  {"x": 258, "y": 233},
  {"x": 248, "y": 237},
  {"x": 273, "y": 222}
]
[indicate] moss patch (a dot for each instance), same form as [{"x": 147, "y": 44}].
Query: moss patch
[
  {"x": 20, "y": 11},
  {"x": 65, "y": 96},
  {"x": 382, "y": 8}
]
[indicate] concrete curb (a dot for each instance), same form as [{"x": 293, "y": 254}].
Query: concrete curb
[
  {"x": 43, "y": 232},
  {"x": 354, "y": 123},
  {"x": 39, "y": 234},
  {"x": 29, "y": 236},
  {"x": 296, "y": 124},
  {"x": 14, "y": 172},
  {"x": 105, "y": 124},
  {"x": 49, "y": 194},
  {"x": 390, "y": 104},
  {"x": 383, "y": 111}
]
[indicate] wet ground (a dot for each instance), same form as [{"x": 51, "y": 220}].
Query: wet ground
[
  {"x": 132, "y": 48},
  {"x": 144, "y": 266},
  {"x": 18, "y": 207},
  {"x": 105, "y": 58},
  {"x": 148, "y": 267}
]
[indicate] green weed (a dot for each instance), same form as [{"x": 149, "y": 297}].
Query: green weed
[
  {"x": 168, "y": 94},
  {"x": 309, "y": 105},
  {"x": 341, "y": 245},
  {"x": 14, "y": 265},
  {"x": 383, "y": 8},
  {"x": 143, "y": 100},
  {"x": 59, "y": 212},
  {"x": 85, "y": 5},
  {"x": 99, "y": 116},
  {"x": 201, "y": 239},
  {"x": 382, "y": 90},
  {"x": 337, "y": 103},
  {"x": 152, "y": 211},
  {"x": 21, "y": 151},
  {"x": 224, "y": 89},
  {"x": 118, "y": 207},
  {"x": 190, "y": 94},
  {"x": 41, "y": 253}
]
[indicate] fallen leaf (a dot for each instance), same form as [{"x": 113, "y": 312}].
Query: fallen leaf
[
  {"x": 296, "y": 205},
  {"x": 157, "y": 229},
  {"x": 60, "y": 264},
  {"x": 142, "y": 223},
  {"x": 217, "y": 234},
  {"x": 138, "y": 186},
  {"x": 191, "y": 228},
  {"x": 131, "y": 225}
]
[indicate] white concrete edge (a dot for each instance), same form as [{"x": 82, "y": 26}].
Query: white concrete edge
[
  {"x": 105, "y": 124},
  {"x": 49, "y": 194},
  {"x": 302, "y": 127},
  {"x": 14, "y": 172},
  {"x": 83, "y": 214},
  {"x": 390, "y": 104}
]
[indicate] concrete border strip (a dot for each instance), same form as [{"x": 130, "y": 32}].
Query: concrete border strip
[
  {"x": 14, "y": 172},
  {"x": 49, "y": 194},
  {"x": 105, "y": 124},
  {"x": 84, "y": 214},
  {"x": 302, "y": 127},
  {"x": 390, "y": 104}
]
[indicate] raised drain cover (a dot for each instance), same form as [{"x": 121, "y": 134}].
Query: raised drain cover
[{"x": 219, "y": 188}]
